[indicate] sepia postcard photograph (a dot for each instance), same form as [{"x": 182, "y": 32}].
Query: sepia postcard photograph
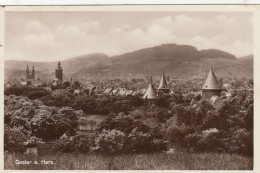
[{"x": 128, "y": 88}]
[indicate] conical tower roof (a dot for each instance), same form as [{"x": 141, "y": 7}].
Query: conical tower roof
[
  {"x": 150, "y": 93},
  {"x": 211, "y": 81},
  {"x": 163, "y": 83},
  {"x": 59, "y": 66}
]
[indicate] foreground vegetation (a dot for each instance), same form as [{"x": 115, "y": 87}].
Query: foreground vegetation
[
  {"x": 131, "y": 128},
  {"x": 175, "y": 161}
]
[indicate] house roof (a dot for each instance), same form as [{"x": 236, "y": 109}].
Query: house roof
[
  {"x": 128, "y": 92},
  {"x": 211, "y": 81}
]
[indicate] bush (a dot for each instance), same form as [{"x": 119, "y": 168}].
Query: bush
[
  {"x": 208, "y": 140},
  {"x": 140, "y": 142},
  {"x": 13, "y": 140},
  {"x": 176, "y": 134},
  {"x": 110, "y": 142},
  {"x": 241, "y": 142},
  {"x": 70, "y": 144}
]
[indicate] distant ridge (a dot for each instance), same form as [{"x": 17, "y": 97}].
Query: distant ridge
[{"x": 179, "y": 61}]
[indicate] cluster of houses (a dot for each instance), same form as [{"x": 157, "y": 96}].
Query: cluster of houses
[{"x": 210, "y": 89}]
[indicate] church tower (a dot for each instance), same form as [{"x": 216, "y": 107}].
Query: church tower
[
  {"x": 211, "y": 86},
  {"x": 163, "y": 87},
  {"x": 33, "y": 73},
  {"x": 30, "y": 76},
  {"x": 27, "y": 72},
  {"x": 58, "y": 72}
]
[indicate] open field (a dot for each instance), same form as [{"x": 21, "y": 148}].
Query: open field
[{"x": 175, "y": 161}]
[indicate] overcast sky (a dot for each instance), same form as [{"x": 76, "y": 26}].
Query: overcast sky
[{"x": 53, "y": 36}]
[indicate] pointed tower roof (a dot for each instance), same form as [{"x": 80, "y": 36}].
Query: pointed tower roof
[
  {"x": 59, "y": 66},
  {"x": 211, "y": 81},
  {"x": 27, "y": 67},
  {"x": 33, "y": 68},
  {"x": 150, "y": 93},
  {"x": 163, "y": 83}
]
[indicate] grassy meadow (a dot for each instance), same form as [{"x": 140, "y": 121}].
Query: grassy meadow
[{"x": 175, "y": 161}]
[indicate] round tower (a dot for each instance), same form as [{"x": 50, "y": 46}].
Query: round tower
[{"x": 211, "y": 86}]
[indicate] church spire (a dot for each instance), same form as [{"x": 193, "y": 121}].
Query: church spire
[
  {"x": 27, "y": 72},
  {"x": 151, "y": 77},
  {"x": 163, "y": 83},
  {"x": 33, "y": 72}
]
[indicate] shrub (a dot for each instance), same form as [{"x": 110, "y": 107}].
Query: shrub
[
  {"x": 13, "y": 140},
  {"x": 241, "y": 142},
  {"x": 176, "y": 134},
  {"x": 69, "y": 144},
  {"x": 140, "y": 142},
  {"x": 109, "y": 141}
]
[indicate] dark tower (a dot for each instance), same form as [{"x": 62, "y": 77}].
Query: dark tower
[
  {"x": 27, "y": 72},
  {"x": 33, "y": 73},
  {"x": 30, "y": 76},
  {"x": 58, "y": 72},
  {"x": 211, "y": 86}
]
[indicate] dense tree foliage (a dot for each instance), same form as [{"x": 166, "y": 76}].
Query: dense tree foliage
[
  {"x": 182, "y": 120},
  {"x": 30, "y": 92},
  {"x": 35, "y": 119},
  {"x": 13, "y": 140},
  {"x": 122, "y": 133}
]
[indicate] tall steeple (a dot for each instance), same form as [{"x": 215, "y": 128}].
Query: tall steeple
[
  {"x": 33, "y": 72},
  {"x": 27, "y": 72},
  {"x": 211, "y": 86},
  {"x": 163, "y": 84}
]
